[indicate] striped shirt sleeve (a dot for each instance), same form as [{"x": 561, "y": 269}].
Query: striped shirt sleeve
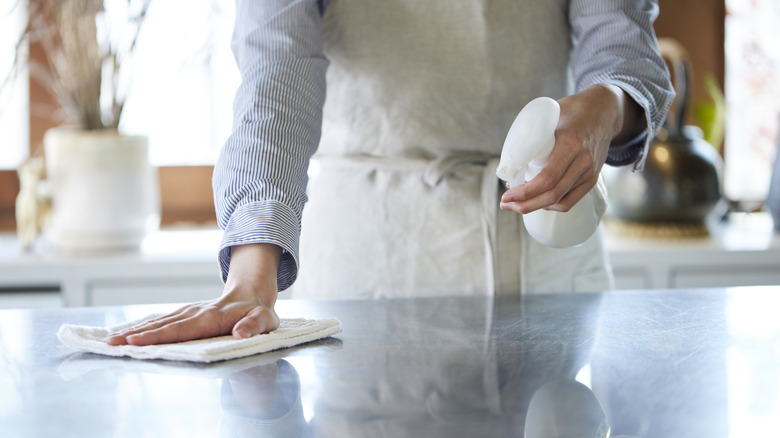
[
  {"x": 615, "y": 44},
  {"x": 260, "y": 177}
]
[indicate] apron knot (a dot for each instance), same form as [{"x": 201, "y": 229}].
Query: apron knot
[{"x": 445, "y": 165}]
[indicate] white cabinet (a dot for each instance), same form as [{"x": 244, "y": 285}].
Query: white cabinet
[
  {"x": 743, "y": 252},
  {"x": 117, "y": 292},
  {"x": 172, "y": 266}
]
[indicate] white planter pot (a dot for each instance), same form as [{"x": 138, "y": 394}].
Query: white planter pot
[{"x": 105, "y": 194}]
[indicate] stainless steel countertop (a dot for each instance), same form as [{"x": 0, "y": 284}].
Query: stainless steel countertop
[{"x": 681, "y": 363}]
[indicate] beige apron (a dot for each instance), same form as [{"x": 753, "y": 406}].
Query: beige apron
[{"x": 403, "y": 198}]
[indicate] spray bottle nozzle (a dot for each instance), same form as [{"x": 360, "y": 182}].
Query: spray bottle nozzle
[{"x": 531, "y": 137}]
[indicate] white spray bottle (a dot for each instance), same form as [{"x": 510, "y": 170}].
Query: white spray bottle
[{"x": 527, "y": 147}]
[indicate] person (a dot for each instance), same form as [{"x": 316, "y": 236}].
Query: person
[{"x": 403, "y": 200}]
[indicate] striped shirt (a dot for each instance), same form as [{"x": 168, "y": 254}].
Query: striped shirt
[{"x": 260, "y": 177}]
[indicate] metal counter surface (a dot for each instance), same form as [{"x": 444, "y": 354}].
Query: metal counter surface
[{"x": 678, "y": 363}]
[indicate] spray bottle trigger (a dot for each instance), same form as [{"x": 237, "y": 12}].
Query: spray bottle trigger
[{"x": 519, "y": 179}]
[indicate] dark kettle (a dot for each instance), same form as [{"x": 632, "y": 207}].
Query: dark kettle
[{"x": 681, "y": 180}]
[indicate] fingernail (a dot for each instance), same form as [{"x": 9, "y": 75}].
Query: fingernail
[{"x": 242, "y": 333}]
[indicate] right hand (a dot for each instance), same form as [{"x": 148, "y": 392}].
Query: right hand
[
  {"x": 246, "y": 307},
  {"x": 590, "y": 122}
]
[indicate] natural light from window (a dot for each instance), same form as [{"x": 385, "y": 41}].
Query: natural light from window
[
  {"x": 182, "y": 89},
  {"x": 184, "y": 82},
  {"x": 14, "y": 120},
  {"x": 753, "y": 97}
]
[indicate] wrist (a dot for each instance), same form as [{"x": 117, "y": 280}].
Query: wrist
[
  {"x": 627, "y": 114},
  {"x": 253, "y": 271}
]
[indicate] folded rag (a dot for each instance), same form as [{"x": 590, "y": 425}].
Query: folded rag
[{"x": 291, "y": 332}]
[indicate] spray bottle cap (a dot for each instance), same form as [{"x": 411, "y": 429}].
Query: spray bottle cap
[{"x": 531, "y": 136}]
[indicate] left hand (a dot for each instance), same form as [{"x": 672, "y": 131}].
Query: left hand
[
  {"x": 246, "y": 307},
  {"x": 590, "y": 120}
]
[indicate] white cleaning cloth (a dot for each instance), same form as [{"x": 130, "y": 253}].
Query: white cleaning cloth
[{"x": 290, "y": 332}]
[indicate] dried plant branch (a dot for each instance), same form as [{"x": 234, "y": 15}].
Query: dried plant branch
[{"x": 77, "y": 65}]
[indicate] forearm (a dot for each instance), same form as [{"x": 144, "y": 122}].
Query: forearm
[
  {"x": 260, "y": 177},
  {"x": 615, "y": 46}
]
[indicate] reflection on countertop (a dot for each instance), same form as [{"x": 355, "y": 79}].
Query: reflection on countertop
[{"x": 682, "y": 363}]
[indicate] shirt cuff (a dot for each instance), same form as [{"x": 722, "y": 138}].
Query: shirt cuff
[
  {"x": 629, "y": 152},
  {"x": 264, "y": 222},
  {"x": 634, "y": 150}
]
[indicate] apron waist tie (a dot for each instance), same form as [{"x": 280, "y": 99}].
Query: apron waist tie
[{"x": 436, "y": 170}]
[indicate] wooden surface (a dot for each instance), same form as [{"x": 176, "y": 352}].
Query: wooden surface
[{"x": 699, "y": 26}]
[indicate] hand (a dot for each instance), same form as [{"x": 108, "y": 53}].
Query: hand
[
  {"x": 246, "y": 307},
  {"x": 590, "y": 120}
]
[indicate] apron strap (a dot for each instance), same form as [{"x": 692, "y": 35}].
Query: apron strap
[
  {"x": 489, "y": 195},
  {"x": 443, "y": 167}
]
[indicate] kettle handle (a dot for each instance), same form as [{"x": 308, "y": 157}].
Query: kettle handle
[{"x": 679, "y": 63}]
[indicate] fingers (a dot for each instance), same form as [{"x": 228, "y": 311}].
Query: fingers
[
  {"x": 566, "y": 178},
  {"x": 196, "y": 327},
  {"x": 198, "y": 321},
  {"x": 120, "y": 337},
  {"x": 192, "y": 322},
  {"x": 560, "y": 198},
  {"x": 572, "y": 197},
  {"x": 541, "y": 192},
  {"x": 548, "y": 191}
]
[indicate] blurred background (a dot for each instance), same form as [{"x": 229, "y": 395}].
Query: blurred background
[
  {"x": 184, "y": 47},
  {"x": 184, "y": 80}
]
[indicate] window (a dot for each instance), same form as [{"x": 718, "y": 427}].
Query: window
[
  {"x": 180, "y": 97},
  {"x": 14, "y": 110},
  {"x": 184, "y": 81},
  {"x": 752, "y": 96},
  {"x": 13, "y": 89}
]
